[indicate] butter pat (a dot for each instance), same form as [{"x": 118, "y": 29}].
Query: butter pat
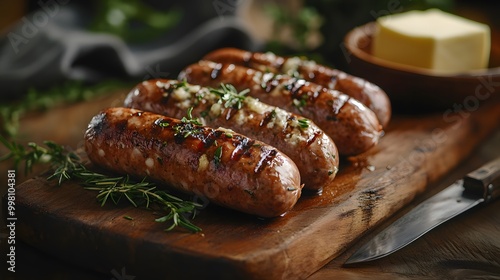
[{"x": 434, "y": 40}]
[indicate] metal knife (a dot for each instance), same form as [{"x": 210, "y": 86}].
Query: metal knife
[{"x": 479, "y": 186}]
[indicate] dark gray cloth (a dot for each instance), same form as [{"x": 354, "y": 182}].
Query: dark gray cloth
[{"x": 53, "y": 44}]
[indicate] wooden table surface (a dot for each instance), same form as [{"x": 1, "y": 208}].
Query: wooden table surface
[
  {"x": 464, "y": 248},
  {"x": 467, "y": 247}
]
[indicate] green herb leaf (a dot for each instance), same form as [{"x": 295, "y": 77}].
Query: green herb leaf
[
  {"x": 190, "y": 119},
  {"x": 163, "y": 123},
  {"x": 39, "y": 100},
  {"x": 229, "y": 96},
  {"x": 67, "y": 165},
  {"x": 303, "y": 123},
  {"x": 218, "y": 155},
  {"x": 189, "y": 125},
  {"x": 300, "y": 103}
]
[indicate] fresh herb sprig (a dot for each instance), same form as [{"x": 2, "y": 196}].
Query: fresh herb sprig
[
  {"x": 67, "y": 165},
  {"x": 62, "y": 161},
  {"x": 139, "y": 194},
  {"x": 230, "y": 96},
  {"x": 37, "y": 100},
  {"x": 189, "y": 125},
  {"x": 189, "y": 119}
]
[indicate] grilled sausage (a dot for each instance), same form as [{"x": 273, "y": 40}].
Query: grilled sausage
[
  {"x": 314, "y": 153},
  {"x": 352, "y": 126},
  {"x": 367, "y": 93},
  {"x": 235, "y": 172}
]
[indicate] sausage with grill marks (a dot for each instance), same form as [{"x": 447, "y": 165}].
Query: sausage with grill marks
[
  {"x": 314, "y": 153},
  {"x": 367, "y": 93},
  {"x": 352, "y": 126},
  {"x": 235, "y": 172}
]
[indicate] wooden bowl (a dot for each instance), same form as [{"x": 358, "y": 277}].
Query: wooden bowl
[{"x": 417, "y": 89}]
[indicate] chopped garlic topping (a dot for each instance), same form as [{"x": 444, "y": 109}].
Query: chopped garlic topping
[
  {"x": 257, "y": 77},
  {"x": 270, "y": 56},
  {"x": 280, "y": 119},
  {"x": 255, "y": 105},
  {"x": 226, "y": 130},
  {"x": 181, "y": 94},
  {"x": 150, "y": 163},
  {"x": 216, "y": 109},
  {"x": 291, "y": 65},
  {"x": 308, "y": 63},
  {"x": 203, "y": 163},
  {"x": 239, "y": 118}
]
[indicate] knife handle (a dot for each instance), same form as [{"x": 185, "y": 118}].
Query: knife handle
[{"x": 485, "y": 179}]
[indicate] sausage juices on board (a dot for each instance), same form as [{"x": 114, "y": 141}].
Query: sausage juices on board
[
  {"x": 367, "y": 93},
  {"x": 352, "y": 126},
  {"x": 314, "y": 153},
  {"x": 230, "y": 170}
]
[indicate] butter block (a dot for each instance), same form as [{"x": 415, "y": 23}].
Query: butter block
[{"x": 432, "y": 39}]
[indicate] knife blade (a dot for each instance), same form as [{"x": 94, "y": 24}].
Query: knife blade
[{"x": 479, "y": 186}]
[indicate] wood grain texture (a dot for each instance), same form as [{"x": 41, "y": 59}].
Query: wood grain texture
[
  {"x": 466, "y": 247},
  {"x": 417, "y": 150}
]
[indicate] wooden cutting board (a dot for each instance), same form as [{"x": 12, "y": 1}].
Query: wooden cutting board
[{"x": 67, "y": 221}]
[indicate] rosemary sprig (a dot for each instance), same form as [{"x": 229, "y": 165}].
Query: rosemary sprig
[
  {"x": 144, "y": 194},
  {"x": 230, "y": 96},
  {"x": 67, "y": 165},
  {"x": 36, "y": 100},
  {"x": 62, "y": 161}
]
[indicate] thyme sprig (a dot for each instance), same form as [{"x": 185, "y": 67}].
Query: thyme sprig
[
  {"x": 189, "y": 119},
  {"x": 68, "y": 165},
  {"x": 189, "y": 125},
  {"x": 230, "y": 96}
]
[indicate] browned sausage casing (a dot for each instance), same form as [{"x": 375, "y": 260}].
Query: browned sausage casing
[
  {"x": 314, "y": 153},
  {"x": 236, "y": 172},
  {"x": 352, "y": 126},
  {"x": 367, "y": 93}
]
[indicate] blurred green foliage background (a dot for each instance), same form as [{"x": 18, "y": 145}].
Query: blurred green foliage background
[{"x": 332, "y": 19}]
